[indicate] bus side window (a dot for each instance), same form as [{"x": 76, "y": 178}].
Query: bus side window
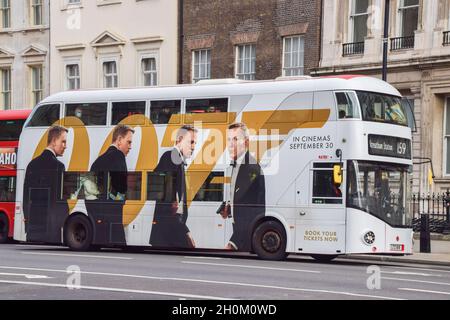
[
  {"x": 324, "y": 189},
  {"x": 122, "y": 110},
  {"x": 207, "y": 110},
  {"x": 161, "y": 111},
  {"x": 82, "y": 185},
  {"x": 91, "y": 114},
  {"x": 7, "y": 189},
  {"x": 45, "y": 116},
  {"x": 134, "y": 186},
  {"x": 212, "y": 188},
  {"x": 347, "y": 105}
]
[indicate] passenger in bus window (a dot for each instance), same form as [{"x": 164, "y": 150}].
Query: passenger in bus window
[
  {"x": 44, "y": 215},
  {"x": 169, "y": 221},
  {"x": 112, "y": 166},
  {"x": 247, "y": 191}
]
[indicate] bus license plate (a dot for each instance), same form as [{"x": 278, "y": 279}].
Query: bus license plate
[{"x": 397, "y": 247}]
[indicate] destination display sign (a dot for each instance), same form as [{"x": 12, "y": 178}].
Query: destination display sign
[
  {"x": 387, "y": 146},
  {"x": 8, "y": 158}
]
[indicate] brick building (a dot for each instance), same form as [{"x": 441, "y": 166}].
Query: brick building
[{"x": 249, "y": 39}]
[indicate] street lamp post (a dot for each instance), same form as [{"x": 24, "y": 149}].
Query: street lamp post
[{"x": 385, "y": 38}]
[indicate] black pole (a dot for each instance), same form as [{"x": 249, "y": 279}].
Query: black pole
[
  {"x": 385, "y": 38},
  {"x": 425, "y": 237}
]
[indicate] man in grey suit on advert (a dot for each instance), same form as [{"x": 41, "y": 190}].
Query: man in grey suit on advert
[{"x": 247, "y": 192}]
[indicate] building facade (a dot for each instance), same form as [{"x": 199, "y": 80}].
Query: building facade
[
  {"x": 113, "y": 43},
  {"x": 249, "y": 39},
  {"x": 418, "y": 66},
  {"x": 24, "y": 53}
]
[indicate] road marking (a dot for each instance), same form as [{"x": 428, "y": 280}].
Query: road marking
[
  {"x": 28, "y": 276},
  {"x": 425, "y": 291},
  {"x": 411, "y": 274},
  {"x": 418, "y": 281},
  {"x": 423, "y": 269},
  {"x": 251, "y": 285},
  {"x": 249, "y": 267},
  {"x": 39, "y": 246},
  {"x": 159, "y": 293},
  {"x": 76, "y": 255},
  {"x": 210, "y": 258}
]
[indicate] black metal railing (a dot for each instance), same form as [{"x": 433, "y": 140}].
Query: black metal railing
[
  {"x": 401, "y": 43},
  {"x": 437, "y": 206},
  {"x": 446, "y": 40},
  {"x": 349, "y": 49}
]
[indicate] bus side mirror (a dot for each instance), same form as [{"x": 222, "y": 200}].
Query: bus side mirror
[{"x": 337, "y": 174}]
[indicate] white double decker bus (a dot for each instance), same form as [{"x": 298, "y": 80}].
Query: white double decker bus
[{"x": 316, "y": 166}]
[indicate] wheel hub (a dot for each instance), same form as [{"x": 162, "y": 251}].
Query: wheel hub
[{"x": 271, "y": 241}]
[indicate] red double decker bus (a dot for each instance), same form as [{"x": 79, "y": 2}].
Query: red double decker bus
[{"x": 11, "y": 123}]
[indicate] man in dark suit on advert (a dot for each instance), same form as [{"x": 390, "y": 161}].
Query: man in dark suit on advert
[
  {"x": 44, "y": 209},
  {"x": 247, "y": 199},
  {"x": 171, "y": 213},
  {"x": 109, "y": 208}
]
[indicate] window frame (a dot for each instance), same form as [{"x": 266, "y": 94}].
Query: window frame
[
  {"x": 302, "y": 67},
  {"x": 237, "y": 64},
  {"x": 33, "y": 90},
  {"x": 182, "y": 112},
  {"x": 401, "y": 12},
  {"x": 68, "y": 78},
  {"x": 200, "y": 64},
  {"x": 5, "y": 14},
  {"x": 142, "y": 72},
  {"x": 352, "y": 17},
  {"x": 185, "y": 113},
  {"x": 107, "y": 115},
  {"x": 103, "y": 75},
  {"x": 34, "y": 6},
  {"x": 342, "y": 187},
  {"x": 445, "y": 138},
  {"x": 8, "y": 91},
  {"x": 37, "y": 108}
]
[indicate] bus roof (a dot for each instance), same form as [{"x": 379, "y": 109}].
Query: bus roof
[
  {"x": 15, "y": 114},
  {"x": 228, "y": 87}
]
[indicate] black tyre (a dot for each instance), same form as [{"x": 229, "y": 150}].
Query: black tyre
[
  {"x": 4, "y": 228},
  {"x": 269, "y": 241},
  {"x": 324, "y": 257},
  {"x": 78, "y": 233}
]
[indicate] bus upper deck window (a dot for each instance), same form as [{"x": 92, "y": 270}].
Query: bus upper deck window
[
  {"x": 206, "y": 110},
  {"x": 123, "y": 110},
  {"x": 45, "y": 116},
  {"x": 91, "y": 114},
  {"x": 165, "y": 111},
  {"x": 347, "y": 105}
]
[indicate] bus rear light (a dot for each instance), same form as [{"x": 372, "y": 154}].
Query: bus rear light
[{"x": 99, "y": 221}]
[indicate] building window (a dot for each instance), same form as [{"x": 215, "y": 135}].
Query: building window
[
  {"x": 5, "y": 89},
  {"x": 36, "y": 84},
  {"x": 36, "y": 12},
  {"x": 294, "y": 56},
  {"x": 73, "y": 76},
  {"x": 358, "y": 19},
  {"x": 5, "y": 17},
  {"x": 447, "y": 138},
  {"x": 201, "y": 62},
  {"x": 409, "y": 17},
  {"x": 110, "y": 75},
  {"x": 149, "y": 73},
  {"x": 246, "y": 62}
]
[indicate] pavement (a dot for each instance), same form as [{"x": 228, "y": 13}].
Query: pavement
[{"x": 439, "y": 256}]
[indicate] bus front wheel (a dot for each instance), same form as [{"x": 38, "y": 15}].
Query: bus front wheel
[
  {"x": 78, "y": 233},
  {"x": 269, "y": 241},
  {"x": 4, "y": 228}
]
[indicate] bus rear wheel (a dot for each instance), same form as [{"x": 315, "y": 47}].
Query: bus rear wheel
[
  {"x": 269, "y": 241},
  {"x": 4, "y": 228},
  {"x": 78, "y": 233}
]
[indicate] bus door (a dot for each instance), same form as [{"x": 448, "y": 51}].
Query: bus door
[{"x": 321, "y": 226}]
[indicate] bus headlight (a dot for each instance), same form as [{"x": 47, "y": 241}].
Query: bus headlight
[{"x": 369, "y": 238}]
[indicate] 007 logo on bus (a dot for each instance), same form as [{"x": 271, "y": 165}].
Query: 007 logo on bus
[
  {"x": 8, "y": 158},
  {"x": 261, "y": 124}
]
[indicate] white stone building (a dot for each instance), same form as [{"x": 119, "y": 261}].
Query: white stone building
[
  {"x": 113, "y": 43},
  {"x": 418, "y": 65},
  {"x": 24, "y": 53}
]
